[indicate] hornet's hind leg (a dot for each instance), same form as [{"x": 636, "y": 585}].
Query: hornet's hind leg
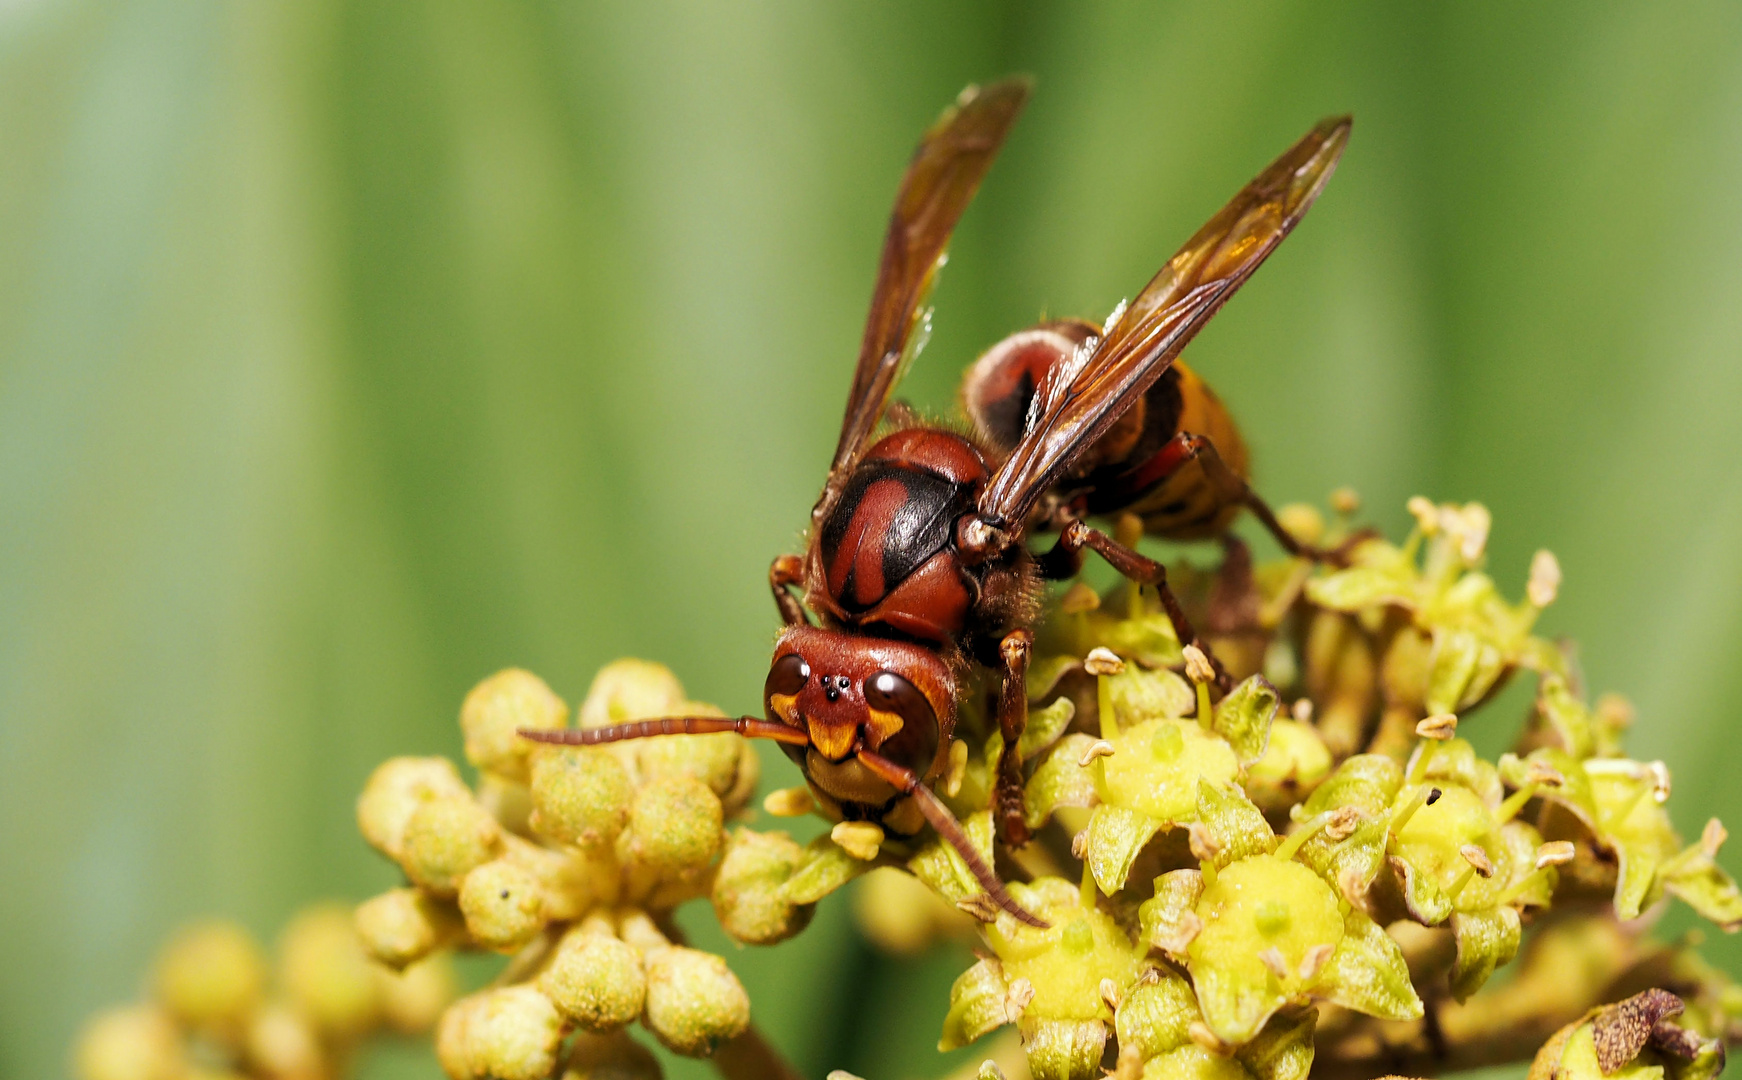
[{"x": 1232, "y": 488}]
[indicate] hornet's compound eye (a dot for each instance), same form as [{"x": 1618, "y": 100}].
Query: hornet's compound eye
[
  {"x": 787, "y": 677},
  {"x": 916, "y": 741}
]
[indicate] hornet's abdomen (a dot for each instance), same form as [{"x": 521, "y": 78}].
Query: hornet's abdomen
[
  {"x": 1130, "y": 468},
  {"x": 885, "y": 553}
]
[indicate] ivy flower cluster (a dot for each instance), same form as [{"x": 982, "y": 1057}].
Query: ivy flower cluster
[
  {"x": 1256, "y": 883},
  {"x": 219, "y": 1009},
  {"x": 1315, "y": 873},
  {"x": 571, "y": 861}
]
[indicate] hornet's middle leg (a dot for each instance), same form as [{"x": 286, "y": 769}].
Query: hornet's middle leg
[
  {"x": 1066, "y": 559},
  {"x": 1009, "y": 811}
]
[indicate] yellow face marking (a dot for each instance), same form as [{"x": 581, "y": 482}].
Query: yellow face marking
[
  {"x": 883, "y": 726},
  {"x": 833, "y": 741},
  {"x": 783, "y": 706}
]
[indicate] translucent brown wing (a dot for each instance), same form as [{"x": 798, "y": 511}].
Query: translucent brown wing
[
  {"x": 1082, "y": 399},
  {"x": 941, "y": 179}
]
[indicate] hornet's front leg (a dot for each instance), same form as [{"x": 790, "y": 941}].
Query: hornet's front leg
[
  {"x": 939, "y": 817},
  {"x": 1008, "y": 807},
  {"x": 1066, "y": 559},
  {"x": 787, "y": 571}
]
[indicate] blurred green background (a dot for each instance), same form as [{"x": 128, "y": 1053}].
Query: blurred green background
[{"x": 351, "y": 351}]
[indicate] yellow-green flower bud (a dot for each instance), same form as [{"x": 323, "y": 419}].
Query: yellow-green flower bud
[
  {"x": 508, "y": 1033},
  {"x": 137, "y": 1042},
  {"x": 979, "y": 1002},
  {"x": 674, "y": 824},
  {"x": 404, "y": 925},
  {"x": 898, "y": 914},
  {"x": 282, "y": 1043},
  {"x": 210, "y": 975},
  {"x": 694, "y": 1002},
  {"x": 453, "y": 1037},
  {"x": 503, "y": 905},
  {"x": 580, "y": 796},
  {"x": 1064, "y": 1049},
  {"x": 1193, "y": 1062},
  {"x": 325, "y": 972},
  {"x": 569, "y": 881},
  {"x": 625, "y": 690},
  {"x": 595, "y": 980},
  {"x": 748, "y": 897},
  {"x": 712, "y": 759},
  {"x": 394, "y": 792},
  {"x": 1156, "y": 1015},
  {"x": 412, "y": 1000},
  {"x": 498, "y": 707},
  {"x": 508, "y": 801},
  {"x": 1294, "y": 763},
  {"x": 445, "y": 840}
]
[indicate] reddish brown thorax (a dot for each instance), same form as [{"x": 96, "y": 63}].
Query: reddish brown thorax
[
  {"x": 883, "y": 555},
  {"x": 847, "y": 691}
]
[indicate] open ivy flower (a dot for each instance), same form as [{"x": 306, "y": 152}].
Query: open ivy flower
[
  {"x": 1475, "y": 636},
  {"x": 1614, "y": 807},
  {"x": 1061, "y": 985},
  {"x": 1143, "y": 775},
  {"x": 1258, "y": 930}
]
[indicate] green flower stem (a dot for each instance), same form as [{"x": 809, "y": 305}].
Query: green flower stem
[{"x": 752, "y": 1057}]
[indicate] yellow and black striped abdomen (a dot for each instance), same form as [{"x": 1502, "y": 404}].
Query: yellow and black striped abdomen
[
  {"x": 1131, "y": 468},
  {"x": 1175, "y": 500}
]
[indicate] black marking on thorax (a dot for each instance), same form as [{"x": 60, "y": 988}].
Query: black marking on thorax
[{"x": 922, "y": 525}]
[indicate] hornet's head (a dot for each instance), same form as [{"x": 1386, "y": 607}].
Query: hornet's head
[{"x": 849, "y": 692}]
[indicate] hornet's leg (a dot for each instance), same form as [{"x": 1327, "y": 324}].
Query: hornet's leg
[
  {"x": 788, "y": 570},
  {"x": 939, "y": 817},
  {"x": 1007, "y": 802},
  {"x": 748, "y": 726},
  {"x": 1232, "y": 488},
  {"x": 1066, "y": 558}
]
